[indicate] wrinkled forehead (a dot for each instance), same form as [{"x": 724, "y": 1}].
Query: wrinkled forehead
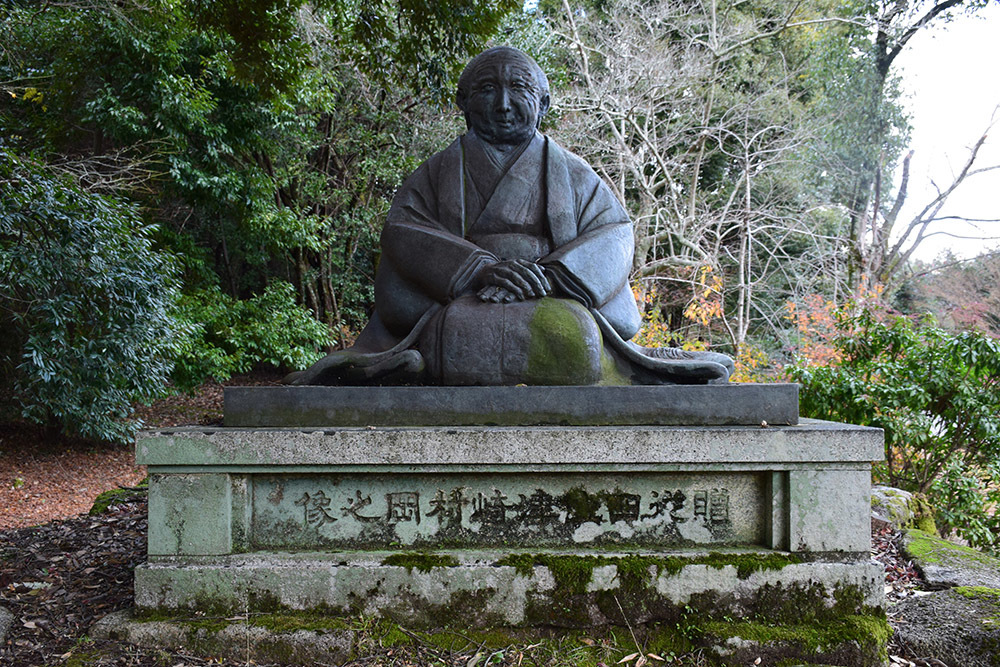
[
  {"x": 504, "y": 63},
  {"x": 502, "y": 69}
]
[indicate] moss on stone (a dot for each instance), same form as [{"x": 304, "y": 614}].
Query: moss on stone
[
  {"x": 422, "y": 562},
  {"x": 118, "y": 496},
  {"x": 870, "y": 632},
  {"x": 316, "y": 620},
  {"x": 808, "y": 643},
  {"x": 929, "y": 549},
  {"x": 979, "y": 593},
  {"x": 262, "y": 603},
  {"x": 574, "y": 573},
  {"x": 990, "y": 602},
  {"x": 192, "y": 622},
  {"x": 747, "y": 564},
  {"x": 210, "y": 624},
  {"x": 612, "y": 374},
  {"x": 923, "y": 514},
  {"x": 154, "y": 615},
  {"x": 559, "y": 351},
  {"x": 582, "y": 506}
]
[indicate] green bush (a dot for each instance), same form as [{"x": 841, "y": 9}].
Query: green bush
[
  {"x": 227, "y": 336},
  {"x": 85, "y": 305},
  {"x": 936, "y": 394}
]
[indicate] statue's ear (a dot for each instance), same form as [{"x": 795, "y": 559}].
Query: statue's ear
[
  {"x": 460, "y": 100},
  {"x": 543, "y": 107}
]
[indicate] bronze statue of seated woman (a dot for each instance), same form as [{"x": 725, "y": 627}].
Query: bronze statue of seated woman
[{"x": 505, "y": 260}]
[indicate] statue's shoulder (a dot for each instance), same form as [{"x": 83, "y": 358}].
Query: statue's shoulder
[
  {"x": 579, "y": 171},
  {"x": 451, "y": 152},
  {"x": 427, "y": 175}
]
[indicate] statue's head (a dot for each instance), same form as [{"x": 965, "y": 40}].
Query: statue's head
[{"x": 504, "y": 94}]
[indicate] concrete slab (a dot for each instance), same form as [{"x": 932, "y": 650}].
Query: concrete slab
[
  {"x": 236, "y": 640},
  {"x": 515, "y": 526},
  {"x": 479, "y": 589},
  {"x": 801, "y": 488},
  {"x": 394, "y": 449},
  {"x": 662, "y": 405}
]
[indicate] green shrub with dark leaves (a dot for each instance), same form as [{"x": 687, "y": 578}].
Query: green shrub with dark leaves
[
  {"x": 937, "y": 395},
  {"x": 85, "y": 305},
  {"x": 227, "y": 336}
]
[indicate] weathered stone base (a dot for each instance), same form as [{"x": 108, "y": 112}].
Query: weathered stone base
[
  {"x": 316, "y": 638},
  {"x": 484, "y": 589},
  {"x": 660, "y": 405},
  {"x": 743, "y": 536}
]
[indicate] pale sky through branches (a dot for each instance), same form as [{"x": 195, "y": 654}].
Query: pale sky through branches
[{"x": 952, "y": 76}]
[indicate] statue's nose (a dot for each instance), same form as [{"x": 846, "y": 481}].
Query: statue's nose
[{"x": 502, "y": 102}]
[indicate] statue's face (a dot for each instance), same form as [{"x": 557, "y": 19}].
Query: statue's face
[{"x": 504, "y": 103}]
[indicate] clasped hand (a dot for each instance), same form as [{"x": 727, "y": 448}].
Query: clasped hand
[{"x": 513, "y": 280}]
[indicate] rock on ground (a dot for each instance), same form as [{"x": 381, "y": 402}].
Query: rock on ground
[
  {"x": 945, "y": 564},
  {"x": 6, "y": 618},
  {"x": 901, "y": 509},
  {"x": 959, "y": 626}
]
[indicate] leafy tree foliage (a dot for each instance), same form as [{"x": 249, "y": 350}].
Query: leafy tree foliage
[
  {"x": 264, "y": 136},
  {"x": 85, "y": 302},
  {"x": 422, "y": 41},
  {"x": 228, "y": 336},
  {"x": 936, "y": 394}
]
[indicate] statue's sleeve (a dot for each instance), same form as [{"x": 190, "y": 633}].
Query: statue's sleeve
[
  {"x": 594, "y": 245},
  {"x": 423, "y": 235},
  {"x": 593, "y": 256}
]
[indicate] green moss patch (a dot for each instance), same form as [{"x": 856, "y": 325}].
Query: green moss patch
[
  {"x": 979, "y": 593},
  {"x": 868, "y": 632},
  {"x": 313, "y": 621},
  {"x": 691, "y": 636},
  {"x": 119, "y": 496},
  {"x": 814, "y": 636},
  {"x": 574, "y": 573},
  {"x": 928, "y": 549},
  {"x": 989, "y": 599},
  {"x": 560, "y": 348},
  {"x": 422, "y": 562}
]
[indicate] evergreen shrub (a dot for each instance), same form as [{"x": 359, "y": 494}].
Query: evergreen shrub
[{"x": 86, "y": 327}]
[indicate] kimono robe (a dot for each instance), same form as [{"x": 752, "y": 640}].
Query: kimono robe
[
  {"x": 463, "y": 209},
  {"x": 430, "y": 253}
]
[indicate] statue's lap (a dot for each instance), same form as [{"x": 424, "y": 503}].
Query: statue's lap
[{"x": 543, "y": 341}]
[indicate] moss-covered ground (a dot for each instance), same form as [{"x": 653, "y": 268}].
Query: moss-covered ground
[{"x": 119, "y": 496}]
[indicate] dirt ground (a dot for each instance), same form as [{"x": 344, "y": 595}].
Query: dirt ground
[{"x": 46, "y": 475}]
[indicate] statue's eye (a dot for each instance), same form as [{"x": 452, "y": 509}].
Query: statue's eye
[{"x": 487, "y": 88}]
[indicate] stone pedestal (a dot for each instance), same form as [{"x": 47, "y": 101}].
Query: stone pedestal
[{"x": 515, "y": 526}]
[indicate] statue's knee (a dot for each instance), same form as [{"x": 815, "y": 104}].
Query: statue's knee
[
  {"x": 564, "y": 344},
  {"x": 545, "y": 341}
]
